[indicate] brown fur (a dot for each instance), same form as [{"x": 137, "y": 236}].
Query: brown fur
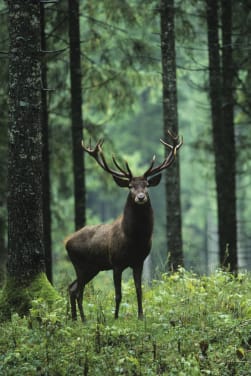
[{"x": 124, "y": 243}]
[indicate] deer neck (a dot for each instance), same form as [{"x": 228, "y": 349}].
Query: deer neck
[{"x": 138, "y": 219}]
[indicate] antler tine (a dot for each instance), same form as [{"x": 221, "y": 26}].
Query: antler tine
[
  {"x": 172, "y": 135},
  {"x": 128, "y": 169},
  {"x": 166, "y": 144},
  {"x": 170, "y": 157},
  {"x": 174, "y": 148},
  {"x": 177, "y": 146},
  {"x": 151, "y": 166},
  {"x": 127, "y": 173},
  {"x": 93, "y": 151},
  {"x": 105, "y": 164},
  {"x": 98, "y": 155},
  {"x": 180, "y": 144}
]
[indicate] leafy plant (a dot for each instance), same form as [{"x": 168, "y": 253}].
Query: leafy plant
[{"x": 193, "y": 326}]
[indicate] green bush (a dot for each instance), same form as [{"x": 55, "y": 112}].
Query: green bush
[{"x": 193, "y": 326}]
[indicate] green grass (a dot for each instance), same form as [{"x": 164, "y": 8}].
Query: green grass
[{"x": 193, "y": 326}]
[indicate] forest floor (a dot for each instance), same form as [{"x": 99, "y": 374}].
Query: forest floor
[{"x": 193, "y": 326}]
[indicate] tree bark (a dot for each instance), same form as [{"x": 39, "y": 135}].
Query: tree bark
[
  {"x": 26, "y": 261},
  {"x": 76, "y": 114},
  {"x": 170, "y": 114},
  {"x": 3, "y": 251},
  {"x": 220, "y": 88},
  {"x": 26, "y": 250},
  {"x": 229, "y": 229},
  {"x": 215, "y": 89},
  {"x": 45, "y": 155}
]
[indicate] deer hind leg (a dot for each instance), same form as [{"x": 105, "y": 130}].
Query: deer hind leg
[
  {"x": 80, "y": 302},
  {"x": 117, "y": 275},
  {"x": 73, "y": 297},
  {"x": 76, "y": 290},
  {"x": 137, "y": 274}
]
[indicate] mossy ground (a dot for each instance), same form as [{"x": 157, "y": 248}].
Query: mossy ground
[{"x": 16, "y": 298}]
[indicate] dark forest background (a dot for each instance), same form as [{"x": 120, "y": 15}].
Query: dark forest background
[{"x": 121, "y": 82}]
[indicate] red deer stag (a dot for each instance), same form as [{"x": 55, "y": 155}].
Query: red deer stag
[{"x": 124, "y": 243}]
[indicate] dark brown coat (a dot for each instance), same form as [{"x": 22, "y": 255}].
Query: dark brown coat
[{"x": 124, "y": 243}]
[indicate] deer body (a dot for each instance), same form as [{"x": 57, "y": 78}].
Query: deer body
[
  {"x": 106, "y": 246},
  {"x": 124, "y": 243}
]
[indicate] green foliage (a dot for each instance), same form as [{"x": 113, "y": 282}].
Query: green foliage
[
  {"x": 122, "y": 90},
  {"x": 193, "y": 326},
  {"x": 17, "y": 297}
]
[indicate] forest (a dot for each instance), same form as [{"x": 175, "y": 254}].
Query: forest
[
  {"x": 126, "y": 76},
  {"x": 121, "y": 68}
]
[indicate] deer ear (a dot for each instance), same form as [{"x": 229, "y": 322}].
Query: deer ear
[
  {"x": 152, "y": 182},
  {"x": 124, "y": 183}
]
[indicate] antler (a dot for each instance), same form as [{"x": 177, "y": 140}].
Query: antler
[
  {"x": 98, "y": 155},
  {"x": 170, "y": 157}
]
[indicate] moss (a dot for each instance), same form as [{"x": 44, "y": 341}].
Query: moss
[{"x": 17, "y": 298}]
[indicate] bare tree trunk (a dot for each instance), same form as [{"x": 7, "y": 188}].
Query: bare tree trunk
[
  {"x": 170, "y": 113},
  {"x": 76, "y": 114},
  {"x": 45, "y": 157},
  {"x": 26, "y": 250},
  {"x": 229, "y": 230},
  {"x": 3, "y": 252},
  {"x": 216, "y": 101},
  {"x": 220, "y": 85},
  {"x": 25, "y": 278}
]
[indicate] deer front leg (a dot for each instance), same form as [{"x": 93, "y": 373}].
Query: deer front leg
[
  {"x": 137, "y": 274},
  {"x": 83, "y": 278},
  {"x": 117, "y": 275},
  {"x": 80, "y": 302},
  {"x": 76, "y": 296},
  {"x": 72, "y": 292}
]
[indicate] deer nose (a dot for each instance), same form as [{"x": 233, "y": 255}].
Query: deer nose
[{"x": 141, "y": 196}]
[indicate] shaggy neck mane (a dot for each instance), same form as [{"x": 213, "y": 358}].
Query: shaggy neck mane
[{"x": 138, "y": 219}]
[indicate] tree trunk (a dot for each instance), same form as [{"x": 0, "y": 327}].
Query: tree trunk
[
  {"x": 220, "y": 87},
  {"x": 229, "y": 230},
  {"x": 216, "y": 103},
  {"x": 45, "y": 156},
  {"x": 26, "y": 250},
  {"x": 3, "y": 252},
  {"x": 26, "y": 261},
  {"x": 76, "y": 114},
  {"x": 170, "y": 114}
]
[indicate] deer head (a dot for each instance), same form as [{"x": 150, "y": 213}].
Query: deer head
[{"x": 123, "y": 177}]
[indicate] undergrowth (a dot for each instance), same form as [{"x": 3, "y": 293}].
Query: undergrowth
[{"x": 193, "y": 326}]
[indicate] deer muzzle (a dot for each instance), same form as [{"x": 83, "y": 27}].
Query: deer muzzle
[{"x": 141, "y": 198}]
